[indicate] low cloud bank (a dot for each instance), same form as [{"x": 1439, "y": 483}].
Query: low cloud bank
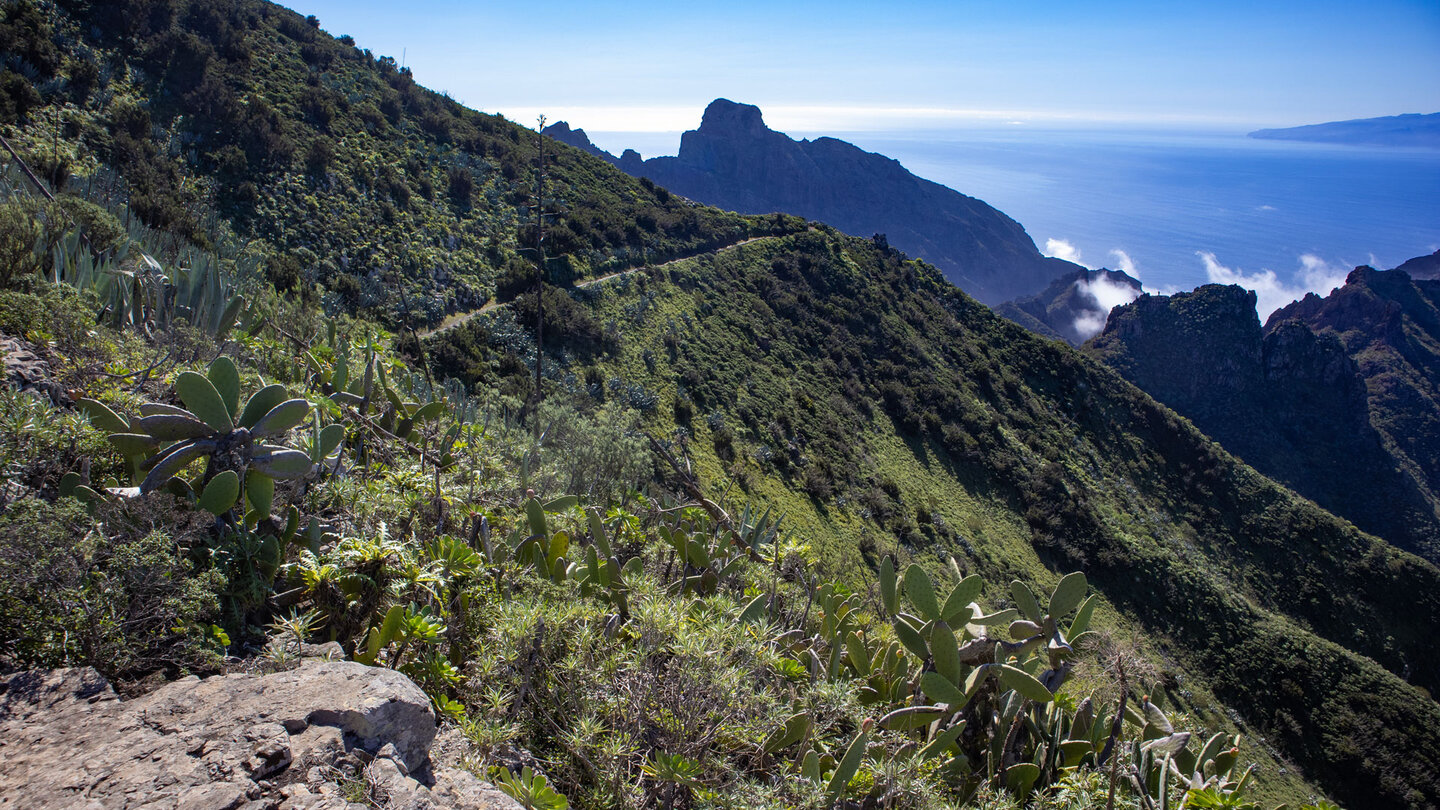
[
  {"x": 1107, "y": 295},
  {"x": 1124, "y": 263},
  {"x": 1271, "y": 293},
  {"x": 1061, "y": 249}
]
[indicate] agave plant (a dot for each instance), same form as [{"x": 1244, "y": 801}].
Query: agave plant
[{"x": 236, "y": 441}]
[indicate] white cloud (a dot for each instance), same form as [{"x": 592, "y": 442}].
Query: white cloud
[
  {"x": 1124, "y": 263},
  {"x": 1061, "y": 249},
  {"x": 1271, "y": 293},
  {"x": 1319, "y": 275},
  {"x": 1107, "y": 295}
]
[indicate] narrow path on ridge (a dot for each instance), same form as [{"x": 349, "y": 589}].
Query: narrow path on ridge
[{"x": 461, "y": 318}]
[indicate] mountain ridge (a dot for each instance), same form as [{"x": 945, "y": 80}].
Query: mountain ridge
[
  {"x": 1330, "y": 397},
  {"x": 829, "y": 377},
  {"x": 1071, "y": 308},
  {"x": 734, "y": 161}
]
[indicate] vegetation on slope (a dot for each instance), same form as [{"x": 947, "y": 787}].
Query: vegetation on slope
[
  {"x": 301, "y": 484},
  {"x": 821, "y": 372},
  {"x": 243, "y": 115},
  {"x": 790, "y": 358}
]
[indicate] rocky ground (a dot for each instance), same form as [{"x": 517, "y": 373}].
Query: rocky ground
[{"x": 329, "y": 735}]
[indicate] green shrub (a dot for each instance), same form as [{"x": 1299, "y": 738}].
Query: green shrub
[
  {"x": 22, "y": 233},
  {"x": 109, "y": 591},
  {"x": 599, "y": 454},
  {"x": 104, "y": 231}
]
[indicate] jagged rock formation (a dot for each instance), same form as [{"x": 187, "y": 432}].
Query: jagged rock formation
[
  {"x": 233, "y": 741},
  {"x": 734, "y": 161},
  {"x": 1290, "y": 399},
  {"x": 577, "y": 138},
  {"x": 1389, "y": 323},
  {"x": 1075, "y": 306}
]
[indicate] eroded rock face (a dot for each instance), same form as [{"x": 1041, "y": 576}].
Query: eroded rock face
[
  {"x": 1328, "y": 398},
  {"x": 233, "y": 741}
]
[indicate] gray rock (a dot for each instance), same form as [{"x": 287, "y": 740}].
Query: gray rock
[
  {"x": 27, "y": 371},
  {"x": 224, "y": 743}
]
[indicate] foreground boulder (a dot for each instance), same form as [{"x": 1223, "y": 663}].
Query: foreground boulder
[{"x": 314, "y": 737}]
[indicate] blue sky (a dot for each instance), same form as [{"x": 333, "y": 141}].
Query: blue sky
[{"x": 849, "y": 66}]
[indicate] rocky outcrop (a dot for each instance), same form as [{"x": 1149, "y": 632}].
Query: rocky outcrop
[
  {"x": 734, "y": 161},
  {"x": 1294, "y": 400},
  {"x": 1422, "y": 267},
  {"x": 1075, "y": 306},
  {"x": 26, "y": 370},
  {"x": 313, "y": 737},
  {"x": 577, "y": 138}
]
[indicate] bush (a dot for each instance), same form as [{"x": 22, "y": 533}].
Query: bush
[
  {"x": 112, "y": 593},
  {"x": 21, "y": 233},
  {"x": 460, "y": 186},
  {"x": 319, "y": 156},
  {"x": 101, "y": 227},
  {"x": 600, "y": 454}
]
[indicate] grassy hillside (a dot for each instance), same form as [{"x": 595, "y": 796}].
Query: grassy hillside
[
  {"x": 891, "y": 414},
  {"x": 882, "y": 410}
]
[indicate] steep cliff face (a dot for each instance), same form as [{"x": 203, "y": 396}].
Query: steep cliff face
[
  {"x": 1389, "y": 323},
  {"x": 1294, "y": 400},
  {"x": 1198, "y": 352},
  {"x": 734, "y": 161},
  {"x": 1075, "y": 306}
]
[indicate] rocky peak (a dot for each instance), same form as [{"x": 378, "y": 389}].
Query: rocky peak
[
  {"x": 561, "y": 131},
  {"x": 1370, "y": 307},
  {"x": 1188, "y": 348},
  {"x": 727, "y": 118},
  {"x": 734, "y": 161}
]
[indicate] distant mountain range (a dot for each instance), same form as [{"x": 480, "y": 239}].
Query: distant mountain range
[
  {"x": 1336, "y": 397},
  {"x": 1411, "y": 129},
  {"x": 734, "y": 161}
]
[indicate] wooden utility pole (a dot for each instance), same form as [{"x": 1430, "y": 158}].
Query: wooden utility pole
[{"x": 539, "y": 273}]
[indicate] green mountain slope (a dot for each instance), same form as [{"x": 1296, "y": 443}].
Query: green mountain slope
[
  {"x": 245, "y": 116},
  {"x": 883, "y": 409},
  {"x": 890, "y": 412}
]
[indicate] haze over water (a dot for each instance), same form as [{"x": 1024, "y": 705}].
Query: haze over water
[{"x": 1307, "y": 213}]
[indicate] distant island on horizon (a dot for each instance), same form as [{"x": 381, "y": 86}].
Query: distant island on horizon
[{"x": 1410, "y": 129}]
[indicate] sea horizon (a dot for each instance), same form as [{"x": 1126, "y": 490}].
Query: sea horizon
[{"x": 1175, "y": 207}]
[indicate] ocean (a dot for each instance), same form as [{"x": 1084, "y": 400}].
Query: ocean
[{"x": 1178, "y": 209}]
